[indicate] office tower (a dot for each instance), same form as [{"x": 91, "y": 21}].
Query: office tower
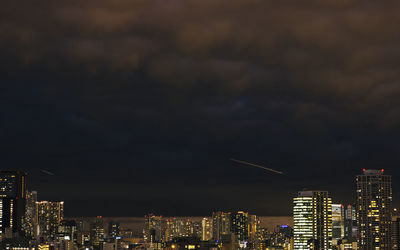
[
  {"x": 97, "y": 232},
  {"x": 152, "y": 232},
  {"x": 221, "y": 225},
  {"x": 254, "y": 225},
  {"x": 30, "y": 221},
  {"x": 337, "y": 221},
  {"x": 312, "y": 214},
  {"x": 374, "y": 209},
  {"x": 113, "y": 229},
  {"x": 350, "y": 223},
  {"x": 206, "y": 226},
  {"x": 12, "y": 203},
  {"x": 49, "y": 215},
  {"x": 240, "y": 225}
]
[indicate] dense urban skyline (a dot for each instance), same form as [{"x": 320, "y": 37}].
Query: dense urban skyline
[{"x": 141, "y": 104}]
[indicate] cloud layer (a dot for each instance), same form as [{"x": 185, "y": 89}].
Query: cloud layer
[{"x": 303, "y": 84}]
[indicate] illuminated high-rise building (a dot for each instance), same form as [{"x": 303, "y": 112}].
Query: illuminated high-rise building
[
  {"x": 97, "y": 232},
  {"x": 337, "y": 221},
  {"x": 206, "y": 229},
  {"x": 312, "y": 214},
  {"x": 30, "y": 222},
  {"x": 240, "y": 225},
  {"x": 221, "y": 225},
  {"x": 12, "y": 203},
  {"x": 49, "y": 214},
  {"x": 254, "y": 225},
  {"x": 374, "y": 210}
]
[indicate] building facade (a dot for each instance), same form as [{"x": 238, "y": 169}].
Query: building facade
[
  {"x": 221, "y": 225},
  {"x": 206, "y": 229},
  {"x": 240, "y": 225},
  {"x": 350, "y": 223},
  {"x": 337, "y": 221},
  {"x": 30, "y": 224},
  {"x": 153, "y": 232},
  {"x": 49, "y": 215},
  {"x": 312, "y": 214},
  {"x": 374, "y": 210},
  {"x": 12, "y": 203}
]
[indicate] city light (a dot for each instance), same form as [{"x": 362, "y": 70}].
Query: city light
[{"x": 317, "y": 223}]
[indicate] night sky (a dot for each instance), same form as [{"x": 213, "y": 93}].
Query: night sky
[{"x": 137, "y": 106}]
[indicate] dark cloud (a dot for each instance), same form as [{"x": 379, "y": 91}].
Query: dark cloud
[{"x": 140, "y": 98}]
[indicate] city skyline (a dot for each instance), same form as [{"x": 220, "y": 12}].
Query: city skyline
[{"x": 27, "y": 223}]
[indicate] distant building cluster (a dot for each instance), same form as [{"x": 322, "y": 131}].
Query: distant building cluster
[
  {"x": 223, "y": 230},
  {"x": 369, "y": 223}
]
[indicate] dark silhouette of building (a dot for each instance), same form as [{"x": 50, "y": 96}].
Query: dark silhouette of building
[
  {"x": 12, "y": 203},
  {"x": 374, "y": 210},
  {"x": 240, "y": 225}
]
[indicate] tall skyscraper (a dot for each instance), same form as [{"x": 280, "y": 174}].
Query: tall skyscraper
[
  {"x": 206, "y": 229},
  {"x": 12, "y": 202},
  {"x": 30, "y": 219},
  {"x": 312, "y": 214},
  {"x": 221, "y": 225},
  {"x": 49, "y": 215},
  {"x": 254, "y": 225},
  {"x": 97, "y": 232},
  {"x": 374, "y": 210},
  {"x": 240, "y": 225}
]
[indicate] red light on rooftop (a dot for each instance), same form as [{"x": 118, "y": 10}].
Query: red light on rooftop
[{"x": 383, "y": 170}]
